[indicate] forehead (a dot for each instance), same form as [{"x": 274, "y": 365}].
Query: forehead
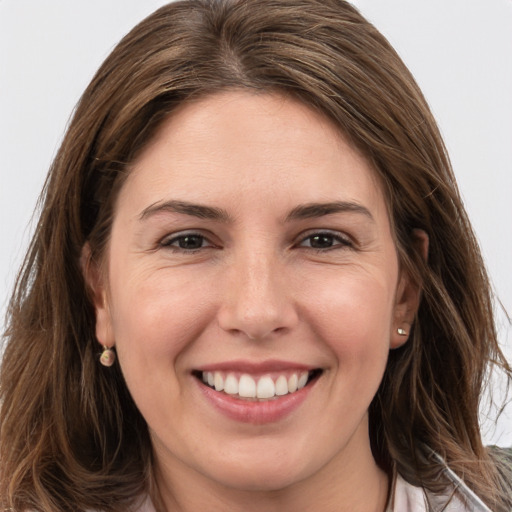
[{"x": 258, "y": 147}]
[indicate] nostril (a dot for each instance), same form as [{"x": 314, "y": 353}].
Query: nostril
[{"x": 259, "y": 335}]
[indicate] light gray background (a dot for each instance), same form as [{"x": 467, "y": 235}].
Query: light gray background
[{"x": 460, "y": 52}]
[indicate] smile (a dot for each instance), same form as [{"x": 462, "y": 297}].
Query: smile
[
  {"x": 256, "y": 392},
  {"x": 264, "y": 387}
]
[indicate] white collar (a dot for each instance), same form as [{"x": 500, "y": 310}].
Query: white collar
[{"x": 409, "y": 498}]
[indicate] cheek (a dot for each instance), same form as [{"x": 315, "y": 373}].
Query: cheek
[
  {"x": 158, "y": 313},
  {"x": 353, "y": 315},
  {"x": 155, "y": 317},
  {"x": 362, "y": 302}
]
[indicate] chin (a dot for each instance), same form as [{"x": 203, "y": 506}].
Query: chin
[
  {"x": 265, "y": 480},
  {"x": 264, "y": 474}
]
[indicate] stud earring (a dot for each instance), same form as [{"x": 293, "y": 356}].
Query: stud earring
[
  {"x": 401, "y": 332},
  {"x": 108, "y": 356}
]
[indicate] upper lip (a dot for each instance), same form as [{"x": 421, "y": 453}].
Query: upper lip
[{"x": 255, "y": 367}]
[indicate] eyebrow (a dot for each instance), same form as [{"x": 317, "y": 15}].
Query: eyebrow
[
  {"x": 301, "y": 212},
  {"x": 312, "y": 210},
  {"x": 194, "y": 210}
]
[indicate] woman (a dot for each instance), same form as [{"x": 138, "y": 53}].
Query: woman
[{"x": 253, "y": 285}]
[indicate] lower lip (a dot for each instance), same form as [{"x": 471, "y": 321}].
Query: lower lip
[{"x": 255, "y": 412}]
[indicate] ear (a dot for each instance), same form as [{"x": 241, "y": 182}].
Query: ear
[
  {"x": 96, "y": 283},
  {"x": 408, "y": 296}
]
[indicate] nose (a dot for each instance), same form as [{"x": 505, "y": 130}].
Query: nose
[{"x": 256, "y": 300}]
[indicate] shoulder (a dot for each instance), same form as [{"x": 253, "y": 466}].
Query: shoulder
[
  {"x": 503, "y": 455},
  {"x": 458, "y": 498}
]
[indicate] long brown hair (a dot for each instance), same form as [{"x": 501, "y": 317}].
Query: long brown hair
[{"x": 71, "y": 437}]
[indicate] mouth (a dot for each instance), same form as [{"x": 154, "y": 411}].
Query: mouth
[{"x": 261, "y": 387}]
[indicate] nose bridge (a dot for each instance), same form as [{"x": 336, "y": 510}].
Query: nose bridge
[{"x": 256, "y": 302}]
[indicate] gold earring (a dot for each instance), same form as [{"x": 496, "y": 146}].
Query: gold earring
[
  {"x": 108, "y": 356},
  {"x": 401, "y": 332}
]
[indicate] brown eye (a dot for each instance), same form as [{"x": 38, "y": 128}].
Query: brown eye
[
  {"x": 321, "y": 241},
  {"x": 190, "y": 242},
  {"x": 325, "y": 240},
  {"x": 186, "y": 242}
]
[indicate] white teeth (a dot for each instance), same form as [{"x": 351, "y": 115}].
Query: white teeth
[
  {"x": 303, "y": 379},
  {"x": 247, "y": 386},
  {"x": 292, "y": 383},
  {"x": 281, "y": 386},
  {"x": 231, "y": 385},
  {"x": 266, "y": 387},
  {"x": 218, "y": 381}
]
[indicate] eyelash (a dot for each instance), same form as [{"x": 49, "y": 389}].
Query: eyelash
[{"x": 337, "y": 241}]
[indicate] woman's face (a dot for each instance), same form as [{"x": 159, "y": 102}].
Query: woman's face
[{"x": 251, "y": 249}]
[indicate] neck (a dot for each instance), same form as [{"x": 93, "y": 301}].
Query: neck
[{"x": 350, "y": 482}]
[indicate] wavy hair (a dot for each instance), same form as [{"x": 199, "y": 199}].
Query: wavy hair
[{"x": 71, "y": 437}]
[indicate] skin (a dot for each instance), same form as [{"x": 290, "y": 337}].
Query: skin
[{"x": 254, "y": 289}]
